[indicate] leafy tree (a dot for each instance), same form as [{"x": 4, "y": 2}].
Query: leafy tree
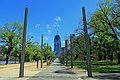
[
  {"x": 48, "y": 53},
  {"x": 10, "y": 33},
  {"x": 102, "y": 23},
  {"x": 79, "y": 46},
  {"x": 32, "y": 51},
  {"x": 115, "y": 13}
]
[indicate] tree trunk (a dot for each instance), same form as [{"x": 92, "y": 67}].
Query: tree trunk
[
  {"x": 9, "y": 49},
  {"x": 63, "y": 60},
  {"x": 37, "y": 63},
  {"x": 41, "y": 63},
  {"x": 111, "y": 57},
  {"x": 100, "y": 57},
  {"x": 118, "y": 58},
  {"x": 45, "y": 59},
  {"x": 66, "y": 61},
  {"x": 19, "y": 57},
  {"x": 47, "y": 62},
  {"x": 84, "y": 57},
  {"x": 104, "y": 57},
  {"x": 7, "y": 58},
  {"x": 76, "y": 57},
  {"x": 15, "y": 60},
  {"x": 8, "y": 53}
]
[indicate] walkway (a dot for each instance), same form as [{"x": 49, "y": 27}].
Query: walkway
[{"x": 56, "y": 72}]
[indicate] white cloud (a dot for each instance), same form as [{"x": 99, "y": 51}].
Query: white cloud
[
  {"x": 53, "y": 25},
  {"x": 48, "y": 27},
  {"x": 49, "y": 31},
  {"x": 45, "y": 38},
  {"x": 37, "y": 26},
  {"x": 58, "y": 19}
]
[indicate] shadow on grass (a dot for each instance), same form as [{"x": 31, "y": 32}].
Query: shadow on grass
[
  {"x": 108, "y": 76},
  {"x": 112, "y": 76},
  {"x": 100, "y": 66}
]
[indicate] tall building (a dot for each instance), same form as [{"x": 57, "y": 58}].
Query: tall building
[{"x": 57, "y": 45}]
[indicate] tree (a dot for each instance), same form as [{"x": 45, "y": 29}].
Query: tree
[
  {"x": 10, "y": 33},
  {"x": 102, "y": 23},
  {"x": 47, "y": 52},
  {"x": 115, "y": 13}
]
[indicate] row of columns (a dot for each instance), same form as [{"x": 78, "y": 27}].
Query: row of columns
[{"x": 21, "y": 72}]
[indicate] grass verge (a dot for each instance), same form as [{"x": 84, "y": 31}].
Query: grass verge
[{"x": 99, "y": 66}]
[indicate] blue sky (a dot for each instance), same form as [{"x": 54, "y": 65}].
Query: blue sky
[{"x": 47, "y": 16}]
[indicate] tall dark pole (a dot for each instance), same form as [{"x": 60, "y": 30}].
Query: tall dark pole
[
  {"x": 21, "y": 72},
  {"x": 42, "y": 51},
  {"x": 71, "y": 47},
  {"x": 66, "y": 49},
  {"x": 89, "y": 70},
  {"x": 47, "y": 53}
]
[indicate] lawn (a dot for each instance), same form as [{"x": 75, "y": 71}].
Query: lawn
[{"x": 100, "y": 66}]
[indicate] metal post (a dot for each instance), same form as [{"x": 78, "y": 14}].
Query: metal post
[
  {"x": 66, "y": 49},
  {"x": 42, "y": 51},
  {"x": 71, "y": 46},
  {"x": 89, "y": 70},
  {"x": 21, "y": 72},
  {"x": 47, "y": 53}
]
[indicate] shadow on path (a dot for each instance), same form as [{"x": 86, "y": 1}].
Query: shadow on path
[
  {"x": 65, "y": 71},
  {"x": 56, "y": 71}
]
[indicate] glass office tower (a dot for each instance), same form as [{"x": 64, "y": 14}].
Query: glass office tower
[{"x": 57, "y": 45}]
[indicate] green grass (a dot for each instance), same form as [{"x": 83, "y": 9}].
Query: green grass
[{"x": 99, "y": 66}]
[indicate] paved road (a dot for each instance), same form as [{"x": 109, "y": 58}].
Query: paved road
[{"x": 56, "y": 72}]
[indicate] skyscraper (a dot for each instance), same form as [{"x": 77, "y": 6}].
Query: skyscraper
[{"x": 57, "y": 45}]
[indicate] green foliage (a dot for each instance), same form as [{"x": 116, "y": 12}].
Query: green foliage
[
  {"x": 48, "y": 53},
  {"x": 105, "y": 38},
  {"x": 10, "y": 35},
  {"x": 79, "y": 44},
  {"x": 32, "y": 51},
  {"x": 104, "y": 26}
]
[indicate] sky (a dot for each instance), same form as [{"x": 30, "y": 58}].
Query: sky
[{"x": 47, "y": 16}]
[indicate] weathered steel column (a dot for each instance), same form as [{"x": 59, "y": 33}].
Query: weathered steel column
[
  {"x": 21, "y": 72},
  {"x": 89, "y": 70},
  {"x": 42, "y": 51},
  {"x": 66, "y": 50},
  {"x": 71, "y": 47},
  {"x": 47, "y": 53}
]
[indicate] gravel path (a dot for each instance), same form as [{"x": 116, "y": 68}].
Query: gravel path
[
  {"x": 11, "y": 71},
  {"x": 56, "y": 72}
]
